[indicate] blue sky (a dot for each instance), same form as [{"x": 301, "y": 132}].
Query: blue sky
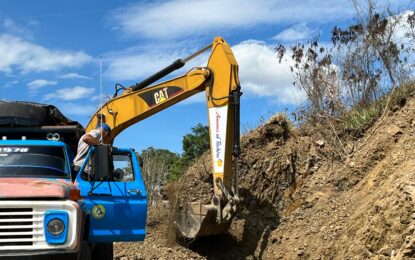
[{"x": 50, "y": 53}]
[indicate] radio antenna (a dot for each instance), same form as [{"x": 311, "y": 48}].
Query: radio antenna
[{"x": 100, "y": 96}]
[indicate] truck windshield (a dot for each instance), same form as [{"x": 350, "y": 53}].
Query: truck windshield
[{"x": 32, "y": 161}]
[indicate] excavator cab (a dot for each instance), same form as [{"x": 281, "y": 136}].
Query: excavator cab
[{"x": 220, "y": 81}]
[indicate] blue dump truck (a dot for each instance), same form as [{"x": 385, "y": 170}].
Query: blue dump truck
[{"x": 45, "y": 207}]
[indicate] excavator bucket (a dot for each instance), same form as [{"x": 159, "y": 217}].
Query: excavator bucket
[{"x": 194, "y": 220}]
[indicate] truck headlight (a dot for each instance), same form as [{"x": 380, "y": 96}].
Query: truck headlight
[{"x": 56, "y": 226}]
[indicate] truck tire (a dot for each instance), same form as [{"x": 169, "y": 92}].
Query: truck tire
[
  {"x": 102, "y": 251},
  {"x": 85, "y": 251}
]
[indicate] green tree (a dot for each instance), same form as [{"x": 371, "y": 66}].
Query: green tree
[
  {"x": 158, "y": 167},
  {"x": 195, "y": 143}
]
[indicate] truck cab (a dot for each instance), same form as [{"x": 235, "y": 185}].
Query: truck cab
[{"x": 114, "y": 202}]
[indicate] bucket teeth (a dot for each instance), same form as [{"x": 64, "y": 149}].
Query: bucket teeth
[{"x": 195, "y": 220}]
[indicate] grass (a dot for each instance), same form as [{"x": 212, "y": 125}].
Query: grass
[
  {"x": 360, "y": 118},
  {"x": 402, "y": 93}
]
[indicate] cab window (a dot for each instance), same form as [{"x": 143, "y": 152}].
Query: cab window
[
  {"x": 123, "y": 169},
  {"x": 33, "y": 161}
]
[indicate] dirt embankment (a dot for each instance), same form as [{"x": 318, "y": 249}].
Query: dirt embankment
[{"x": 302, "y": 201}]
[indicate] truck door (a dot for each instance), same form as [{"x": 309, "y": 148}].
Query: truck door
[{"x": 117, "y": 208}]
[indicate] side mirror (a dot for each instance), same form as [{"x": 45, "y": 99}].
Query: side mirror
[{"x": 101, "y": 163}]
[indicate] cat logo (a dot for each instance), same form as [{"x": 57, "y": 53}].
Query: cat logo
[{"x": 161, "y": 96}]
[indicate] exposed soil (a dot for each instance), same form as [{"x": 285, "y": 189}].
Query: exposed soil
[{"x": 303, "y": 201}]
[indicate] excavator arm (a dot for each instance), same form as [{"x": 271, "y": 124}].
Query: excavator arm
[
  {"x": 133, "y": 106},
  {"x": 220, "y": 82}
]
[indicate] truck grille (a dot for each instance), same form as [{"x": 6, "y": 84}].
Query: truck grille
[
  {"x": 22, "y": 226},
  {"x": 19, "y": 226}
]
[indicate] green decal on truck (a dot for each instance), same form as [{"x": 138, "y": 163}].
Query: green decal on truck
[{"x": 98, "y": 212}]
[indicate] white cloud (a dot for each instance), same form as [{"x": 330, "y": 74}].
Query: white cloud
[
  {"x": 10, "y": 26},
  {"x": 176, "y": 18},
  {"x": 76, "y": 109},
  {"x": 297, "y": 32},
  {"x": 40, "y": 83},
  {"x": 10, "y": 84},
  {"x": 137, "y": 66},
  {"x": 17, "y": 53},
  {"x": 262, "y": 75},
  {"x": 68, "y": 94},
  {"x": 402, "y": 32},
  {"x": 73, "y": 76},
  {"x": 140, "y": 62},
  {"x": 260, "y": 72}
]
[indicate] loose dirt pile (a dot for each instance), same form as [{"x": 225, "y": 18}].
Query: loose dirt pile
[
  {"x": 302, "y": 201},
  {"x": 159, "y": 243}
]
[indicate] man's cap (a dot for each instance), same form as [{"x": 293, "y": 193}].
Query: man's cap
[{"x": 104, "y": 127}]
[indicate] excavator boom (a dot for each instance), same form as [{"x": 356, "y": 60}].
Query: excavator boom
[{"x": 220, "y": 81}]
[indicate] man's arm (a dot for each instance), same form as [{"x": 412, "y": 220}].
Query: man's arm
[{"x": 90, "y": 140}]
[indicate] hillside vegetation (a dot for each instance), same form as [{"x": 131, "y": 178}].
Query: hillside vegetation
[{"x": 302, "y": 201}]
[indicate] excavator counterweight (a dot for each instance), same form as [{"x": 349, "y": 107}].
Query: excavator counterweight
[{"x": 220, "y": 81}]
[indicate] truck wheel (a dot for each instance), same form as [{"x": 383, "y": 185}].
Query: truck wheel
[
  {"x": 85, "y": 251},
  {"x": 102, "y": 251}
]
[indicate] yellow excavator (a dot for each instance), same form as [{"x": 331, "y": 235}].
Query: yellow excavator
[{"x": 220, "y": 81}]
